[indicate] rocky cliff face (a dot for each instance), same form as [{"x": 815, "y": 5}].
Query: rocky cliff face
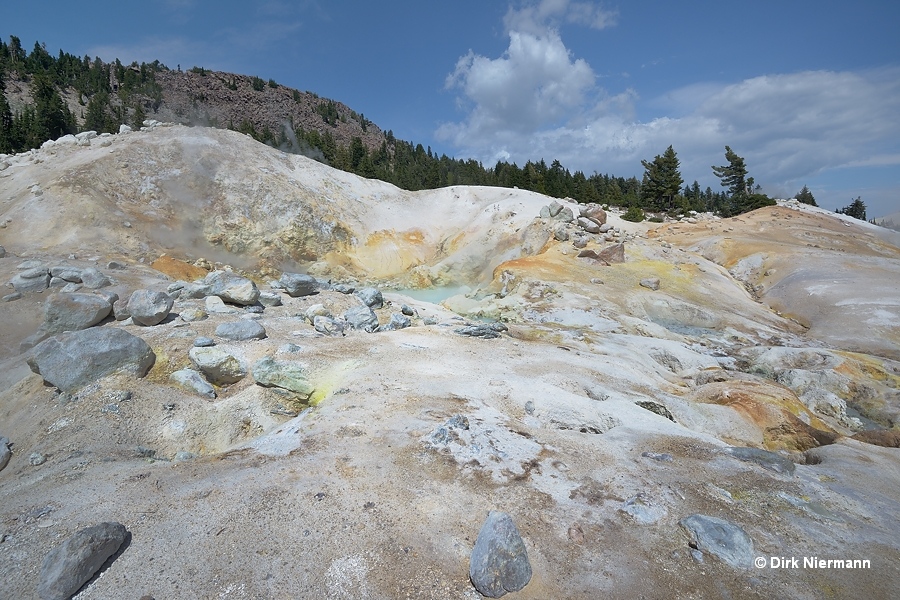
[{"x": 643, "y": 410}]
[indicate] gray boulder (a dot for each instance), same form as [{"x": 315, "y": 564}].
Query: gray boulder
[
  {"x": 191, "y": 380},
  {"x": 232, "y": 288},
  {"x": 148, "y": 307},
  {"x": 241, "y": 331},
  {"x": 72, "y": 360},
  {"x": 371, "y": 297},
  {"x": 298, "y": 284},
  {"x": 398, "y": 321},
  {"x": 316, "y": 310},
  {"x": 218, "y": 366},
  {"x": 724, "y": 540},
  {"x": 588, "y": 225},
  {"x": 2, "y": 249},
  {"x": 651, "y": 283},
  {"x": 71, "y": 564},
  {"x": 71, "y": 312},
  {"x": 560, "y": 233},
  {"x": 120, "y": 310},
  {"x": 361, "y": 317},
  {"x": 545, "y": 212},
  {"x": 196, "y": 290},
  {"x": 499, "y": 562},
  {"x": 565, "y": 215},
  {"x": 270, "y": 298},
  {"x": 72, "y": 274},
  {"x": 215, "y": 305},
  {"x": 31, "y": 280},
  {"x": 270, "y": 373},
  {"x": 554, "y": 208},
  {"x": 764, "y": 458},
  {"x": 344, "y": 288},
  {"x": 328, "y": 326},
  {"x": 594, "y": 212},
  {"x": 94, "y": 279}
]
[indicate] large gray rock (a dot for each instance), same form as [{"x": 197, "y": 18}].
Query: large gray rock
[
  {"x": 271, "y": 373},
  {"x": 565, "y": 215},
  {"x": 71, "y": 312},
  {"x": 270, "y": 298},
  {"x": 240, "y": 331},
  {"x": 298, "y": 284},
  {"x": 72, "y": 360},
  {"x": 218, "y": 366},
  {"x": 196, "y": 290},
  {"x": 71, "y": 564},
  {"x": 724, "y": 540},
  {"x": 36, "y": 279},
  {"x": 764, "y": 458},
  {"x": 148, "y": 307},
  {"x": 361, "y": 317},
  {"x": 94, "y": 279},
  {"x": 232, "y": 288},
  {"x": 190, "y": 379},
  {"x": 499, "y": 562},
  {"x": 371, "y": 297}
]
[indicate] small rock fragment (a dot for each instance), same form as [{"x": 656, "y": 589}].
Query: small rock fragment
[
  {"x": 724, "y": 540},
  {"x": 651, "y": 283},
  {"x": 240, "y": 331}
]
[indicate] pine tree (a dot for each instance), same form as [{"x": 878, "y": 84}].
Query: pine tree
[
  {"x": 856, "y": 209},
  {"x": 6, "y": 119},
  {"x": 662, "y": 180},
  {"x": 734, "y": 174},
  {"x": 805, "y": 196}
]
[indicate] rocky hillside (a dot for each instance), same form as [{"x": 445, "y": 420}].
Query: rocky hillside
[
  {"x": 228, "y": 100},
  {"x": 232, "y": 372}
]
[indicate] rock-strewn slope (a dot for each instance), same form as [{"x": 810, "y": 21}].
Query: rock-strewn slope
[{"x": 297, "y": 437}]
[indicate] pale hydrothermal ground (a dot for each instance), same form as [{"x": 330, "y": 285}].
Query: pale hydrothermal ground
[{"x": 777, "y": 329}]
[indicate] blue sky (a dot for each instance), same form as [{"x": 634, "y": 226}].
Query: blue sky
[{"x": 808, "y": 92}]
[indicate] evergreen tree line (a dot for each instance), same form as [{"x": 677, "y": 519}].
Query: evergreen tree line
[{"x": 104, "y": 104}]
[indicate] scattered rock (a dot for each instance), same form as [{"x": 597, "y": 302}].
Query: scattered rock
[
  {"x": 643, "y": 510},
  {"x": 191, "y": 380},
  {"x": 328, "y": 326},
  {"x": 216, "y": 305},
  {"x": 371, "y": 297},
  {"x": 190, "y": 315},
  {"x": 72, "y": 564},
  {"x": 37, "y": 459},
  {"x": 270, "y": 298},
  {"x": 580, "y": 241},
  {"x": 204, "y": 342},
  {"x": 120, "y": 310},
  {"x": 651, "y": 283},
  {"x": 148, "y": 307},
  {"x": 499, "y": 562},
  {"x": 71, "y": 312},
  {"x": 764, "y": 458},
  {"x": 298, "y": 284},
  {"x": 657, "y": 408},
  {"x": 94, "y": 279},
  {"x": 11, "y": 297},
  {"x": 407, "y": 310},
  {"x": 560, "y": 233},
  {"x": 484, "y": 330},
  {"x": 398, "y": 321},
  {"x": 71, "y": 274},
  {"x": 657, "y": 456},
  {"x": 195, "y": 290},
  {"x": 219, "y": 367},
  {"x": 724, "y": 540},
  {"x": 595, "y": 213},
  {"x": 269, "y": 373},
  {"x": 31, "y": 280},
  {"x": 361, "y": 317},
  {"x": 554, "y": 208},
  {"x": 588, "y": 225},
  {"x": 72, "y": 360},
  {"x": 240, "y": 331},
  {"x": 565, "y": 215},
  {"x": 232, "y": 288},
  {"x": 316, "y": 310},
  {"x": 343, "y": 288},
  {"x": 610, "y": 255}
]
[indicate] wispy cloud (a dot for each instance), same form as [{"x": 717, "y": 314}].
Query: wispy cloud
[{"x": 537, "y": 18}]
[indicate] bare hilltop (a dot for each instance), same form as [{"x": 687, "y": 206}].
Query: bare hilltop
[{"x": 232, "y": 372}]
